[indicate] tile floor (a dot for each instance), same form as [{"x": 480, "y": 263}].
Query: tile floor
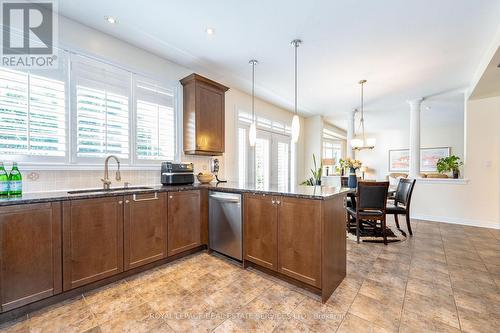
[{"x": 446, "y": 278}]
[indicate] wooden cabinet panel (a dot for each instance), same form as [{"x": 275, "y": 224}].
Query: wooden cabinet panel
[
  {"x": 30, "y": 253},
  {"x": 204, "y": 113},
  {"x": 210, "y": 119},
  {"x": 184, "y": 221},
  {"x": 299, "y": 235},
  {"x": 260, "y": 230},
  {"x": 145, "y": 229},
  {"x": 92, "y": 240}
]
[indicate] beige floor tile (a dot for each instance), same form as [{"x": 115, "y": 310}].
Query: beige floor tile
[
  {"x": 354, "y": 324},
  {"x": 139, "y": 319},
  {"x": 293, "y": 325},
  {"x": 440, "y": 308},
  {"x": 472, "y": 321},
  {"x": 428, "y": 288},
  {"x": 415, "y": 323},
  {"x": 318, "y": 316},
  {"x": 486, "y": 303},
  {"x": 379, "y": 313},
  {"x": 73, "y": 315},
  {"x": 108, "y": 303}
]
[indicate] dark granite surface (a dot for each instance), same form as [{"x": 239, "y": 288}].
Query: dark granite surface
[{"x": 304, "y": 192}]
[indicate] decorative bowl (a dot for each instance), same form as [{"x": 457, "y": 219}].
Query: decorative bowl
[{"x": 205, "y": 178}]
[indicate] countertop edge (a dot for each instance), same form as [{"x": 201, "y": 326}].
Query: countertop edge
[{"x": 64, "y": 196}]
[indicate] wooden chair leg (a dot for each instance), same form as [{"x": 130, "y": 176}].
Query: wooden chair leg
[
  {"x": 384, "y": 231},
  {"x": 396, "y": 220},
  {"x": 357, "y": 229},
  {"x": 408, "y": 223}
]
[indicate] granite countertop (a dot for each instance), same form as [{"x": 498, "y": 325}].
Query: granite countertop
[{"x": 304, "y": 192}]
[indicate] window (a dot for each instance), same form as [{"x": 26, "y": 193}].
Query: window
[
  {"x": 269, "y": 162},
  {"x": 112, "y": 111},
  {"x": 333, "y": 148},
  {"x": 155, "y": 121},
  {"x": 102, "y": 109},
  {"x": 32, "y": 115}
]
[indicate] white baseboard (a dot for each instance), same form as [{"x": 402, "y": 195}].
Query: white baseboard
[{"x": 455, "y": 220}]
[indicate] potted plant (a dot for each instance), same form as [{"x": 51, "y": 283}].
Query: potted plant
[
  {"x": 353, "y": 165},
  {"x": 449, "y": 164},
  {"x": 316, "y": 174}
]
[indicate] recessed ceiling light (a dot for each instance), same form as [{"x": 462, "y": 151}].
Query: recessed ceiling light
[
  {"x": 111, "y": 19},
  {"x": 210, "y": 31}
]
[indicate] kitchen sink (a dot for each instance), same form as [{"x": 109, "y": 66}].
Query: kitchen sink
[{"x": 116, "y": 189}]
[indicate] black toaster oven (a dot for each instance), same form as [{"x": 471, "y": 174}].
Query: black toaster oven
[{"x": 177, "y": 173}]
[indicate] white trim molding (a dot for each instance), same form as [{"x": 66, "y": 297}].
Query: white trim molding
[
  {"x": 457, "y": 220},
  {"x": 443, "y": 181}
]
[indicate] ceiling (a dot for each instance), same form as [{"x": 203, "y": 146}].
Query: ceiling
[{"x": 405, "y": 49}]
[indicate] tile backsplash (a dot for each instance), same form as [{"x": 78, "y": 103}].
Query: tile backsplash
[{"x": 55, "y": 180}]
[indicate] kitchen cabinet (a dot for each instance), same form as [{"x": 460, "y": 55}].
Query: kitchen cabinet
[
  {"x": 298, "y": 238},
  {"x": 184, "y": 221},
  {"x": 92, "y": 240},
  {"x": 299, "y": 235},
  {"x": 145, "y": 229},
  {"x": 204, "y": 113},
  {"x": 261, "y": 230},
  {"x": 30, "y": 253}
]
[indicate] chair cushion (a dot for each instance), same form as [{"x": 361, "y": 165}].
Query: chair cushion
[
  {"x": 364, "y": 213},
  {"x": 391, "y": 209}
]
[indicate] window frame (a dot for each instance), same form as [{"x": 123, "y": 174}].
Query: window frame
[
  {"x": 70, "y": 161},
  {"x": 36, "y": 160},
  {"x": 273, "y": 131}
]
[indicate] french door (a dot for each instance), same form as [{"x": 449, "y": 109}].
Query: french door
[{"x": 271, "y": 160}]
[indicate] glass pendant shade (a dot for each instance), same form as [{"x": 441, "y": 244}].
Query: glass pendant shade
[
  {"x": 356, "y": 143},
  {"x": 295, "y": 128},
  {"x": 252, "y": 135},
  {"x": 370, "y": 142}
]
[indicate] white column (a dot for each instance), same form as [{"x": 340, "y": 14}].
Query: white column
[
  {"x": 415, "y": 106},
  {"x": 350, "y": 133}
]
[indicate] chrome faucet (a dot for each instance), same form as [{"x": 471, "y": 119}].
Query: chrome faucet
[{"x": 105, "y": 181}]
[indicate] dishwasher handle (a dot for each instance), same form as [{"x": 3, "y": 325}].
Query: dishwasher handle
[{"x": 225, "y": 199}]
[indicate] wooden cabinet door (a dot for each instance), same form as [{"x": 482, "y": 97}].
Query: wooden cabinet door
[
  {"x": 145, "y": 229},
  {"x": 30, "y": 253},
  {"x": 209, "y": 118},
  {"x": 299, "y": 234},
  {"x": 260, "y": 230},
  {"x": 184, "y": 221},
  {"x": 92, "y": 240}
]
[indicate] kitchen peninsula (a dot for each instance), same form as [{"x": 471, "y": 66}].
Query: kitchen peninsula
[{"x": 72, "y": 243}]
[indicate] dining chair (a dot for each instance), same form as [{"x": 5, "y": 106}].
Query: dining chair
[
  {"x": 402, "y": 200},
  {"x": 371, "y": 201}
]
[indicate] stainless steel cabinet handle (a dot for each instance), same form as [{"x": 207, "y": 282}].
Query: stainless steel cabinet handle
[
  {"x": 134, "y": 197},
  {"x": 273, "y": 202},
  {"x": 120, "y": 202},
  {"x": 170, "y": 197},
  {"x": 278, "y": 202},
  {"x": 127, "y": 201}
]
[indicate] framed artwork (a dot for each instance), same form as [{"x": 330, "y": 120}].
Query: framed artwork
[
  {"x": 399, "y": 160},
  {"x": 430, "y": 156}
]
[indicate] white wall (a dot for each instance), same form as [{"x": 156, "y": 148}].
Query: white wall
[
  {"x": 477, "y": 202},
  {"x": 80, "y": 38},
  {"x": 444, "y": 133}
]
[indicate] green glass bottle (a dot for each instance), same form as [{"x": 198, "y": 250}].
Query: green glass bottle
[
  {"x": 4, "y": 181},
  {"x": 15, "y": 181}
]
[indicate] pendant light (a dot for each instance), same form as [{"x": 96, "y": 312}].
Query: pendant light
[
  {"x": 362, "y": 143},
  {"x": 295, "y": 120},
  {"x": 252, "y": 133}
]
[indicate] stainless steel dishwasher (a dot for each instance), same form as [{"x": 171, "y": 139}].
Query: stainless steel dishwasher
[{"x": 225, "y": 224}]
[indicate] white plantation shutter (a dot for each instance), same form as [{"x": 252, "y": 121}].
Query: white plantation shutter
[
  {"x": 33, "y": 115},
  {"x": 155, "y": 121},
  {"x": 102, "y": 109}
]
